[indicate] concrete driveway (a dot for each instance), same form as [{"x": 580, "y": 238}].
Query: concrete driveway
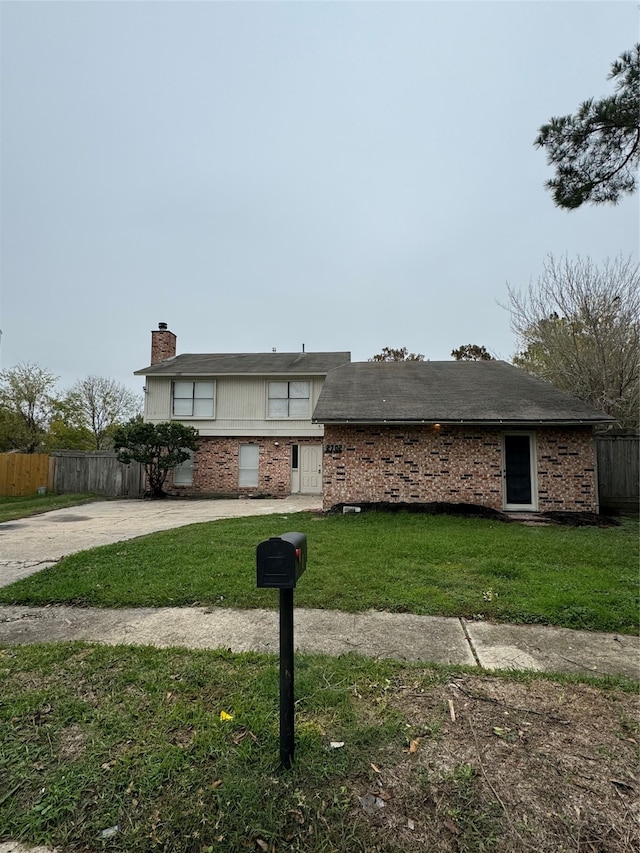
[{"x": 30, "y": 544}]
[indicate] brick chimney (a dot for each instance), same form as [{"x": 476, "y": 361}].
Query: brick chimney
[{"x": 163, "y": 344}]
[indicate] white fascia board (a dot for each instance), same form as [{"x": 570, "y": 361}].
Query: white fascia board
[{"x": 297, "y": 432}]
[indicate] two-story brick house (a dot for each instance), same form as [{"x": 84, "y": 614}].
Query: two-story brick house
[
  {"x": 276, "y": 424},
  {"x": 253, "y": 412}
]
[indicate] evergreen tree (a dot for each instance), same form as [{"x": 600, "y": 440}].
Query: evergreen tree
[
  {"x": 402, "y": 354},
  {"x": 159, "y": 447},
  {"x": 596, "y": 151},
  {"x": 471, "y": 352}
]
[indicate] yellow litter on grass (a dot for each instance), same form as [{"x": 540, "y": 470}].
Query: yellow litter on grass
[{"x": 225, "y": 716}]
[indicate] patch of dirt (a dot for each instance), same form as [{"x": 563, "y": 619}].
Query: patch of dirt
[
  {"x": 497, "y": 765},
  {"x": 580, "y": 519},
  {"x": 569, "y": 519},
  {"x": 72, "y": 743},
  {"x": 432, "y": 508}
]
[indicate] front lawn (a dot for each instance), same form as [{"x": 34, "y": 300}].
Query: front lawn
[
  {"x": 134, "y": 750},
  {"x": 439, "y": 565}
]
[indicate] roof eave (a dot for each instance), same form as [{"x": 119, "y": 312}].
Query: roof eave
[
  {"x": 149, "y": 371},
  {"x": 466, "y": 422}
]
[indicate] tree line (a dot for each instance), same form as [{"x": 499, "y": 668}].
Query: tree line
[{"x": 36, "y": 417}]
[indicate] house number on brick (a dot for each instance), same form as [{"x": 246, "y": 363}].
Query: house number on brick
[{"x": 333, "y": 448}]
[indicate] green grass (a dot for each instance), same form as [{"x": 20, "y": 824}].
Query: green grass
[
  {"x": 574, "y": 577},
  {"x": 11, "y": 508},
  {"x": 95, "y": 737}
]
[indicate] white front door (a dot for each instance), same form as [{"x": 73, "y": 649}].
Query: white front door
[{"x": 311, "y": 469}]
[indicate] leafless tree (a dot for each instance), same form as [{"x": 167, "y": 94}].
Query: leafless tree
[
  {"x": 578, "y": 327},
  {"x": 103, "y": 404}
]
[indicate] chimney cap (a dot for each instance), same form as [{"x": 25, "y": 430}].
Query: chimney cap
[{"x": 162, "y": 327}]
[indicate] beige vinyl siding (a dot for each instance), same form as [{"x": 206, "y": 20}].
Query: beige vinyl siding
[
  {"x": 157, "y": 399},
  {"x": 241, "y": 407}
]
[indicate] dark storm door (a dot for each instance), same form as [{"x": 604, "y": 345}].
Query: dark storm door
[{"x": 518, "y": 475}]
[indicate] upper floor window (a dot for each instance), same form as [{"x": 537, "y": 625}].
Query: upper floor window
[
  {"x": 193, "y": 399},
  {"x": 288, "y": 400}
]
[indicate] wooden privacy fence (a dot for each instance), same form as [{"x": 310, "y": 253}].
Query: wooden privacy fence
[
  {"x": 619, "y": 471},
  {"x": 99, "y": 473},
  {"x": 24, "y": 473},
  {"x": 69, "y": 471}
]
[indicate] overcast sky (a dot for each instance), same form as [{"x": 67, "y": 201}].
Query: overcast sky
[{"x": 347, "y": 175}]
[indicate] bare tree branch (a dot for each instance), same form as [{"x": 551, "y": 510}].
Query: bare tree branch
[{"x": 578, "y": 327}]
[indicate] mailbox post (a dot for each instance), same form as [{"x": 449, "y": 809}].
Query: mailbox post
[{"x": 279, "y": 563}]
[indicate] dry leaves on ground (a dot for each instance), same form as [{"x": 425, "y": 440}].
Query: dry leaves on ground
[{"x": 540, "y": 766}]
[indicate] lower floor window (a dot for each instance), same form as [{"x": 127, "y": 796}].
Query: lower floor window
[
  {"x": 183, "y": 473},
  {"x": 248, "y": 465}
]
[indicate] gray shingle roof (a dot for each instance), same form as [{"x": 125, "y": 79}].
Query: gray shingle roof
[
  {"x": 445, "y": 392},
  {"x": 247, "y": 363}
]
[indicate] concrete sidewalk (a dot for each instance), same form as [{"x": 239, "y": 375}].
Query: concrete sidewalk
[{"x": 399, "y": 636}]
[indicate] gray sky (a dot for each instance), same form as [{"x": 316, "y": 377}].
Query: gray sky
[{"x": 347, "y": 175}]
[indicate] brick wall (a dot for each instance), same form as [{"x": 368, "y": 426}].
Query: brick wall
[
  {"x": 215, "y": 466},
  {"x": 567, "y": 470},
  {"x": 163, "y": 345},
  {"x": 452, "y": 464}
]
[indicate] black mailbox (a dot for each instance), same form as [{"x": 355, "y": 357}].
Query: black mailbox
[{"x": 281, "y": 560}]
